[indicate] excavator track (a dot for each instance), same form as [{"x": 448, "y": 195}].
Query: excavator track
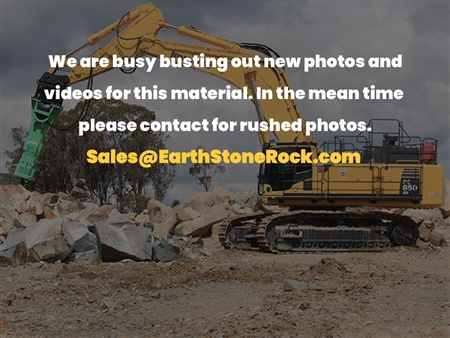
[{"x": 309, "y": 231}]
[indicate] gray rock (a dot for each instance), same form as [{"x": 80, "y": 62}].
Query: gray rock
[
  {"x": 20, "y": 254},
  {"x": 108, "y": 304},
  {"x": 419, "y": 215},
  {"x": 124, "y": 240},
  {"x": 33, "y": 206},
  {"x": 15, "y": 237},
  {"x": 224, "y": 194},
  {"x": 425, "y": 230},
  {"x": 43, "y": 231},
  {"x": 239, "y": 210},
  {"x": 6, "y": 226},
  {"x": 65, "y": 207},
  {"x": 85, "y": 258},
  {"x": 440, "y": 237},
  {"x": 94, "y": 214},
  {"x": 246, "y": 199},
  {"x": 50, "y": 212},
  {"x": 27, "y": 219},
  {"x": 198, "y": 242},
  {"x": 125, "y": 261},
  {"x": 131, "y": 216},
  {"x": 165, "y": 252},
  {"x": 50, "y": 250},
  {"x": 196, "y": 204},
  {"x": 205, "y": 252},
  {"x": 205, "y": 198},
  {"x": 161, "y": 214},
  {"x": 79, "y": 237},
  {"x": 7, "y": 208},
  {"x": 158, "y": 232},
  {"x": 80, "y": 183},
  {"x": 49, "y": 198},
  {"x": 201, "y": 226},
  {"x": 141, "y": 219},
  {"x": 41, "y": 241},
  {"x": 79, "y": 193},
  {"x": 216, "y": 229},
  {"x": 17, "y": 194},
  {"x": 292, "y": 284},
  {"x": 8, "y": 214},
  {"x": 64, "y": 196},
  {"x": 186, "y": 214}
]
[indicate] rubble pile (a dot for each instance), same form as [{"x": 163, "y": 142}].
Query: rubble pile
[{"x": 71, "y": 228}]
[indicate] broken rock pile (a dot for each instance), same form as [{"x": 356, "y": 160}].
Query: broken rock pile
[{"x": 70, "y": 228}]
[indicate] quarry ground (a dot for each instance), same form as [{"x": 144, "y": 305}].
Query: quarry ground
[{"x": 397, "y": 293}]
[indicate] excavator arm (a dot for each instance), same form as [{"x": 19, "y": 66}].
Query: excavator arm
[{"x": 136, "y": 36}]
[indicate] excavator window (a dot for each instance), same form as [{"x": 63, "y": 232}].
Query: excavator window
[{"x": 282, "y": 176}]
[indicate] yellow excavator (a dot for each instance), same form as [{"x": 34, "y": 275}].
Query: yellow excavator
[{"x": 400, "y": 172}]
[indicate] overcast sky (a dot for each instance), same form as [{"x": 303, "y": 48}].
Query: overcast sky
[{"x": 419, "y": 31}]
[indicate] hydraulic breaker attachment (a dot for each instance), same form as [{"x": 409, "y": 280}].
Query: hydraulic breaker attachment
[
  {"x": 42, "y": 114},
  {"x": 44, "y": 111}
]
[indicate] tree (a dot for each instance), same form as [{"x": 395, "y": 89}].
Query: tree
[
  {"x": 63, "y": 159},
  {"x": 205, "y": 172},
  {"x": 17, "y": 136}
]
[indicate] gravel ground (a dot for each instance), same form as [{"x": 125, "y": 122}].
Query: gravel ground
[{"x": 402, "y": 292}]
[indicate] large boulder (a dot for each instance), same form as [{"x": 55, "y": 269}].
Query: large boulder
[
  {"x": 92, "y": 213},
  {"x": 27, "y": 219},
  {"x": 141, "y": 219},
  {"x": 49, "y": 198},
  {"x": 201, "y": 226},
  {"x": 85, "y": 258},
  {"x": 246, "y": 199},
  {"x": 33, "y": 205},
  {"x": 79, "y": 193},
  {"x": 124, "y": 240},
  {"x": 161, "y": 214},
  {"x": 186, "y": 214},
  {"x": 158, "y": 232},
  {"x": 66, "y": 207},
  {"x": 17, "y": 194},
  {"x": 222, "y": 193},
  {"x": 196, "y": 203},
  {"x": 49, "y": 212},
  {"x": 165, "y": 252},
  {"x": 425, "y": 230},
  {"x": 7, "y": 209},
  {"x": 440, "y": 237},
  {"x": 419, "y": 215},
  {"x": 41, "y": 241},
  {"x": 79, "y": 237},
  {"x": 239, "y": 210}
]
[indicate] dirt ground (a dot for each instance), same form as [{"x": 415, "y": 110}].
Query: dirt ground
[{"x": 402, "y": 292}]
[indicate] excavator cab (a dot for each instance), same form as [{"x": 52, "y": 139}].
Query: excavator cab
[{"x": 282, "y": 175}]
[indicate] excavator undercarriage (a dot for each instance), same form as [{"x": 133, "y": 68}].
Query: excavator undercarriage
[{"x": 306, "y": 231}]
